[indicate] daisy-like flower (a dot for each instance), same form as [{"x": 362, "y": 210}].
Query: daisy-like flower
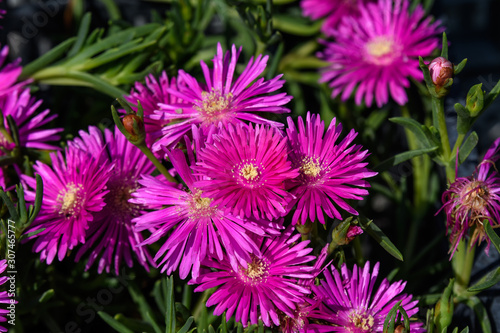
[
  {"x": 196, "y": 228},
  {"x": 472, "y": 201},
  {"x": 350, "y": 302},
  {"x": 223, "y": 99},
  {"x": 330, "y": 172},
  {"x": 377, "y": 51},
  {"x": 23, "y": 108},
  {"x": 266, "y": 286},
  {"x": 331, "y": 10},
  {"x": 111, "y": 235},
  {"x": 9, "y": 73},
  {"x": 149, "y": 95},
  {"x": 4, "y": 295},
  {"x": 73, "y": 191},
  {"x": 247, "y": 169}
]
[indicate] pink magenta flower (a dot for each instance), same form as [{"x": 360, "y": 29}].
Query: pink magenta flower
[
  {"x": 150, "y": 95},
  {"x": 111, "y": 235},
  {"x": 472, "y": 201},
  {"x": 247, "y": 168},
  {"x": 23, "y": 108},
  {"x": 4, "y": 295},
  {"x": 266, "y": 286},
  {"x": 351, "y": 303},
  {"x": 331, "y": 10},
  {"x": 73, "y": 191},
  {"x": 223, "y": 99},
  {"x": 9, "y": 73},
  {"x": 376, "y": 52},
  {"x": 329, "y": 172},
  {"x": 196, "y": 228}
]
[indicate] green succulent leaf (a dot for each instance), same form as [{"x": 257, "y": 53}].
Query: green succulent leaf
[
  {"x": 495, "y": 239},
  {"x": 374, "y": 231},
  {"x": 487, "y": 281}
]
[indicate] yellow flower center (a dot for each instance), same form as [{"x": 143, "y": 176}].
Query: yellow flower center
[
  {"x": 380, "y": 46},
  {"x": 310, "y": 167},
  {"x": 256, "y": 271},
  {"x": 361, "y": 321},
  {"x": 380, "y": 50},
  {"x": 70, "y": 199},
  {"x": 249, "y": 172},
  {"x": 214, "y": 104},
  {"x": 200, "y": 207}
]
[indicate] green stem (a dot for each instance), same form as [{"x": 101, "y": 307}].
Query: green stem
[
  {"x": 439, "y": 122},
  {"x": 462, "y": 263},
  {"x": 358, "y": 252},
  {"x": 421, "y": 171},
  {"x": 157, "y": 163}
]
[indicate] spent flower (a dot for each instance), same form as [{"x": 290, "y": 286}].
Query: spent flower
[{"x": 472, "y": 201}]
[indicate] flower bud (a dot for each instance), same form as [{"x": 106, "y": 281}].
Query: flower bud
[
  {"x": 475, "y": 100},
  {"x": 134, "y": 125},
  {"x": 304, "y": 229},
  {"x": 441, "y": 70},
  {"x": 443, "y": 312},
  {"x": 353, "y": 231},
  {"x": 344, "y": 233},
  {"x": 399, "y": 329}
]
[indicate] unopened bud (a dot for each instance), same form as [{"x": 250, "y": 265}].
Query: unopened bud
[
  {"x": 399, "y": 329},
  {"x": 443, "y": 311},
  {"x": 128, "y": 123},
  {"x": 441, "y": 70},
  {"x": 344, "y": 233},
  {"x": 134, "y": 126},
  {"x": 353, "y": 231},
  {"x": 304, "y": 229},
  {"x": 475, "y": 100}
]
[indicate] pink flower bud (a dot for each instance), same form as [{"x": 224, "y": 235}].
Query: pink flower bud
[
  {"x": 353, "y": 231},
  {"x": 441, "y": 70}
]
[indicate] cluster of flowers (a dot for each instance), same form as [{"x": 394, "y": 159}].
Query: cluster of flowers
[{"x": 224, "y": 225}]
